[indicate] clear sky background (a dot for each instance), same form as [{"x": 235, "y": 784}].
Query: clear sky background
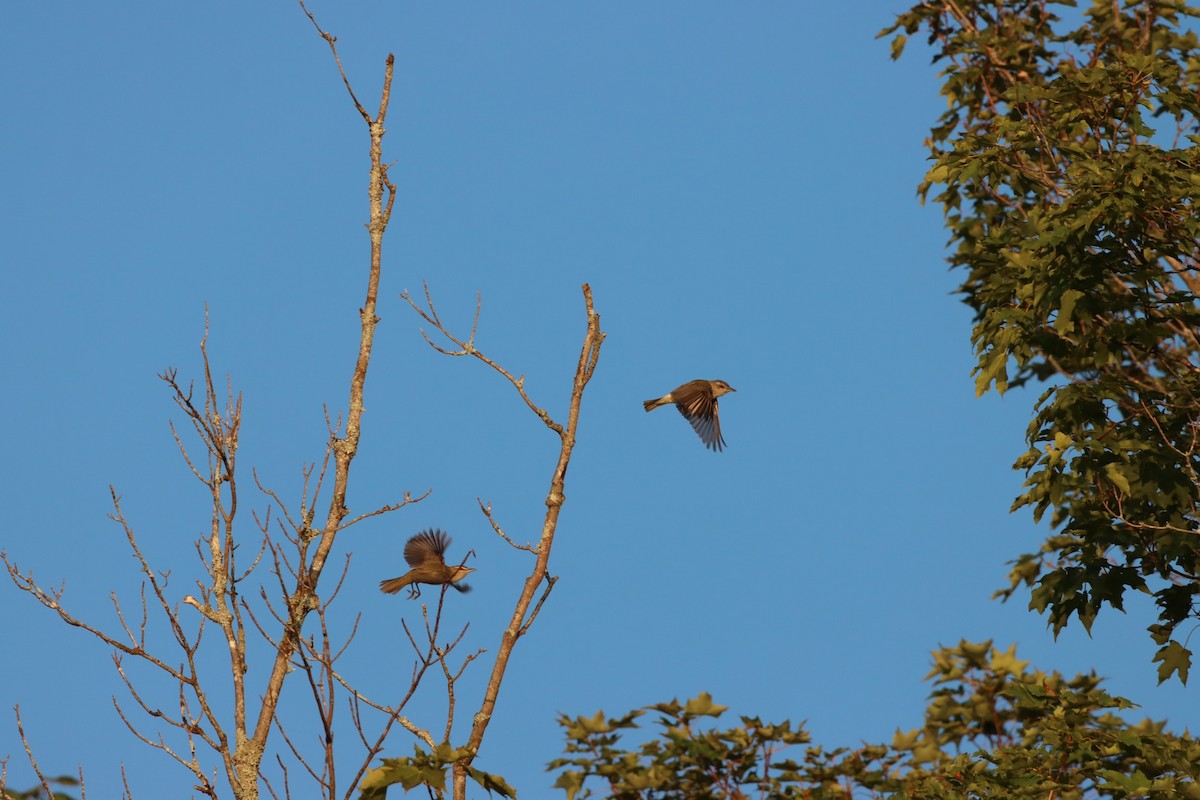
[{"x": 736, "y": 182}]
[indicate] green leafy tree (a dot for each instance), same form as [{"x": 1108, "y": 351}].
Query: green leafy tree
[
  {"x": 1067, "y": 167},
  {"x": 993, "y": 728}
]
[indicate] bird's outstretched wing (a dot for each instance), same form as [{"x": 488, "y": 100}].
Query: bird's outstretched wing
[
  {"x": 708, "y": 428},
  {"x": 426, "y": 546}
]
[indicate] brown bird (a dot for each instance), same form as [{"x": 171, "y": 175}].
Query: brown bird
[
  {"x": 697, "y": 401},
  {"x": 425, "y": 553}
]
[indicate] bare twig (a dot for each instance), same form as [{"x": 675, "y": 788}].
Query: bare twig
[
  {"x": 487, "y": 512},
  {"x": 468, "y": 348},
  {"x": 332, "y": 41},
  {"x": 29, "y": 754}
]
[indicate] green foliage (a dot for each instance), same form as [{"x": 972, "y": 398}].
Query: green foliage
[
  {"x": 688, "y": 760},
  {"x": 429, "y": 770},
  {"x": 39, "y": 792},
  {"x": 993, "y": 728},
  {"x": 1068, "y": 169}
]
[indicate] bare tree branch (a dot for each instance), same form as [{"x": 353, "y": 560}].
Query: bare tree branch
[
  {"x": 468, "y": 348},
  {"x": 29, "y": 754},
  {"x": 487, "y": 512},
  {"x": 522, "y": 618}
]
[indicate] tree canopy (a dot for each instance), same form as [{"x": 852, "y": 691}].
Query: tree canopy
[
  {"x": 993, "y": 728},
  {"x": 1066, "y": 164}
]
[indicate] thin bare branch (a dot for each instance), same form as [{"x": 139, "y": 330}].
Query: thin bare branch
[
  {"x": 487, "y": 512},
  {"x": 332, "y": 41},
  {"x": 550, "y": 581},
  {"x": 407, "y": 499},
  {"x": 29, "y": 754},
  {"x": 468, "y": 348}
]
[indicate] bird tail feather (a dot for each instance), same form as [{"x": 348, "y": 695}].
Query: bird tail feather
[{"x": 394, "y": 585}]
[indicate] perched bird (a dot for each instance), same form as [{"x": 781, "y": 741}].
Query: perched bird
[
  {"x": 425, "y": 553},
  {"x": 697, "y": 401}
]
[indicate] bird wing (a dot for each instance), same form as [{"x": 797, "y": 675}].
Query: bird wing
[
  {"x": 696, "y": 403},
  {"x": 426, "y": 546},
  {"x": 708, "y": 428}
]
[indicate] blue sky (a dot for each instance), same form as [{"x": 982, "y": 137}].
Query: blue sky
[{"x": 737, "y": 185}]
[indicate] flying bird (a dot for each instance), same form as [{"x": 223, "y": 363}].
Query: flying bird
[
  {"x": 426, "y": 554},
  {"x": 697, "y": 401}
]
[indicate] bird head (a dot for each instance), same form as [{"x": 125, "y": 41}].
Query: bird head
[
  {"x": 721, "y": 387},
  {"x": 460, "y": 572}
]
